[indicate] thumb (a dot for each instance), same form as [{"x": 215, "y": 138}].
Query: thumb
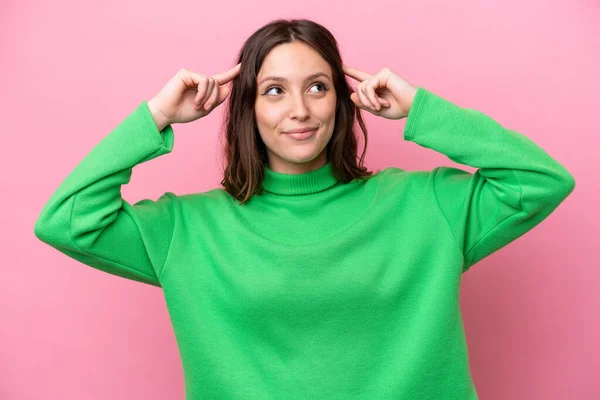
[{"x": 224, "y": 91}]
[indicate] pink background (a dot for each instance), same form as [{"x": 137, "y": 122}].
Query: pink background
[{"x": 72, "y": 71}]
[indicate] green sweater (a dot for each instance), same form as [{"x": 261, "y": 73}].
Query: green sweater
[{"x": 315, "y": 289}]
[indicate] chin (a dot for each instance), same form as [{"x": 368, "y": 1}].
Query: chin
[{"x": 302, "y": 156}]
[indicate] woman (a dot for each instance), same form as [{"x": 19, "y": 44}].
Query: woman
[{"x": 307, "y": 276}]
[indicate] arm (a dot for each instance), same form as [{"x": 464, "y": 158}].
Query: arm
[
  {"x": 516, "y": 186},
  {"x": 88, "y": 220}
]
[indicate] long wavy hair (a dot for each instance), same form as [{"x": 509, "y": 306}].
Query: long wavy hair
[{"x": 245, "y": 150}]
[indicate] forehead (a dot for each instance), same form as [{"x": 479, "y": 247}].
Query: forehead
[{"x": 293, "y": 61}]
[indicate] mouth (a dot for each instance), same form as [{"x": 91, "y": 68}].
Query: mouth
[{"x": 301, "y": 135}]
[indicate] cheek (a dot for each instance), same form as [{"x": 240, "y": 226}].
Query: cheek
[
  {"x": 327, "y": 113},
  {"x": 269, "y": 116},
  {"x": 330, "y": 105}
]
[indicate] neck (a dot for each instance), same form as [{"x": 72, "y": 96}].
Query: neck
[{"x": 288, "y": 184}]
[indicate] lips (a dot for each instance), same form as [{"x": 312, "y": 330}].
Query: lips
[
  {"x": 303, "y": 135},
  {"x": 301, "y": 130}
]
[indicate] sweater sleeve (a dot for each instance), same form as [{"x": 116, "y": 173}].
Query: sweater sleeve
[
  {"x": 516, "y": 186},
  {"x": 88, "y": 220}
]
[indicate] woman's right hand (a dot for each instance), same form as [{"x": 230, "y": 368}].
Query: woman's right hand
[{"x": 189, "y": 96}]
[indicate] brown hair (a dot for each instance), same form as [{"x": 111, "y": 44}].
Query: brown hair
[{"x": 245, "y": 151}]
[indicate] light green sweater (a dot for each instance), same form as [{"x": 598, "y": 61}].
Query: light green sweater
[{"x": 315, "y": 289}]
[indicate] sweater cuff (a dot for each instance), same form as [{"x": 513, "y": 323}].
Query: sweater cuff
[
  {"x": 162, "y": 138},
  {"x": 414, "y": 112}
]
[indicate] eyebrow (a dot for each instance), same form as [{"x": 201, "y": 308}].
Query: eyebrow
[{"x": 281, "y": 79}]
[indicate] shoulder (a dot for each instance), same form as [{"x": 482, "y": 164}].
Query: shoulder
[
  {"x": 213, "y": 197},
  {"x": 394, "y": 176}
]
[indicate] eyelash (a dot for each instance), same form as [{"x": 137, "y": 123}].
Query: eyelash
[{"x": 325, "y": 88}]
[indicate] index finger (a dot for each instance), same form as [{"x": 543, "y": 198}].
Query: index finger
[
  {"x": 356, "y": 73},
  {"x": 226, "y": 76}
]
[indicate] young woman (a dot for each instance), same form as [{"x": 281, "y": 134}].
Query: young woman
[{"x": 307, "y": 276}]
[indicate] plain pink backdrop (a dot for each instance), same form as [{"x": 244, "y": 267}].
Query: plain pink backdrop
[{"x": 72, "y": 71}]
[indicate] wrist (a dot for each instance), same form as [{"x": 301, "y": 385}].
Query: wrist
[
  {"x": 410, "y": 97},
  {"x": 159, "y": 119}
]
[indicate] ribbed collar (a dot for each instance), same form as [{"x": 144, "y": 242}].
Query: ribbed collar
[{"x": 294, "y": 184}]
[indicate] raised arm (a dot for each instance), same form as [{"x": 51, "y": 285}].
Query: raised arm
[
  {"x": 88, "y": 220},
  {"x": 516, "y": 186}
]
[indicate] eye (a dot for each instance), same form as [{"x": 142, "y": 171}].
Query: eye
[
  {"x": 272, "y": 87},
  {"x": 319, "y": 83},
  {"x": 315, "y": 84}
]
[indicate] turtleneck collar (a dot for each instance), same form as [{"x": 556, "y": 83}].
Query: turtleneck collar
[{"x": 295, "y": 184}]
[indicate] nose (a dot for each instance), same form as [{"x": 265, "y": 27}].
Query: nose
[{"x": 299, "y": 110}]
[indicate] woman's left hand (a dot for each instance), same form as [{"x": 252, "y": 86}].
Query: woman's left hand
[{"x": 385, "y": 94}]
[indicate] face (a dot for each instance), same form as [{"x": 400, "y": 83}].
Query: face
[{"x": 289, "y": 96}]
